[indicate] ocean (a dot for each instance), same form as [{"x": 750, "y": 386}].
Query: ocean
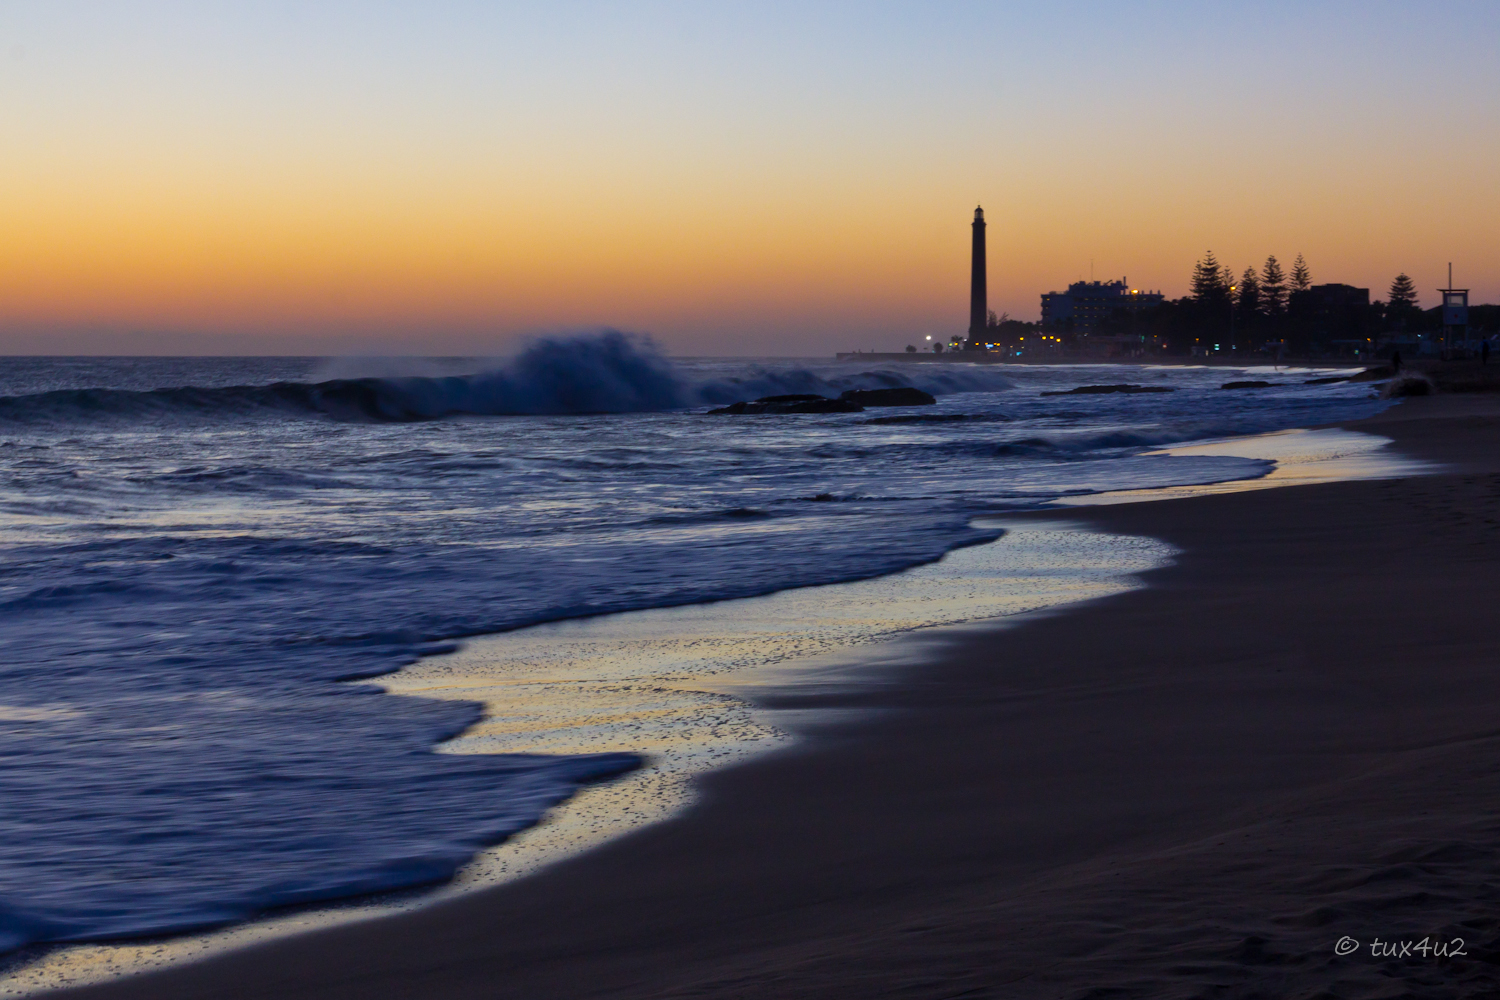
[{"x": 196, "y": 553}]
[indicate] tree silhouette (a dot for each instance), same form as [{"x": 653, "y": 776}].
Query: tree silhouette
[
  {"x": 1403, "y": 294},
  {"x": 1403, "y": 302},
  {"x": 1301, "y": 276},
  {"x": 1208, "y": 280},
  {"x": 1248, "y": 297},
  {"x": 1272, "y": 288}
]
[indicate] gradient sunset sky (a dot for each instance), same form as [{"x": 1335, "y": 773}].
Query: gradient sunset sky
[{"x": 782, "y": 178}]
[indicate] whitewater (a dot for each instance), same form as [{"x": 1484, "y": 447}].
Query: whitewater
[{"x": 195, "y": 552}]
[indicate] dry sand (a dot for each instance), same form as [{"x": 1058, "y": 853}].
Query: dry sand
[{"x": 1194, "y": 789}]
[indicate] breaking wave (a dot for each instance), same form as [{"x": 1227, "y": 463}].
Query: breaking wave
[{"x": 608, "y": 372}]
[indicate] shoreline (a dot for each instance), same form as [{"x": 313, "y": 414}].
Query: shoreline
[
  {"x": 669, "y": 684},
  {"x": 920, "y": 597},
  {"x": 840, "y": 878},
  {"x": 768, "y": 632}
]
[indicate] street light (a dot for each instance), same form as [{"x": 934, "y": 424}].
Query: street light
[{"x": 1231, "y": 317}]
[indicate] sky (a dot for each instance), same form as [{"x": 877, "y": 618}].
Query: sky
[{"x": 729, "y": 178}]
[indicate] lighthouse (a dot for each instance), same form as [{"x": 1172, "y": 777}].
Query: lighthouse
[{"x": 979, "y": 309}]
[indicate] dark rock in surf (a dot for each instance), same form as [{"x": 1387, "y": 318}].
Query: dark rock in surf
[
  {"x": 1326, "y": 381},
  {"x": 1251, "y": 384},
  {"x": 900, "y": 396},
  {"x": 1099, "y": 390},
  {"x": 796, "y": 403},
  {"x": 745, "y": 513}
]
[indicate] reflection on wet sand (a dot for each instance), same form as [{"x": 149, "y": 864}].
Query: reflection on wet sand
[{"x": 668, "y": 684}]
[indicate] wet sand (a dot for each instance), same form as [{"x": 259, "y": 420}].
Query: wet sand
[{"x": 1291, "y": 736}]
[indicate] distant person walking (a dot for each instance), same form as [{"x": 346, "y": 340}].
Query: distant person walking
[{"x": 1396, "y": 362}]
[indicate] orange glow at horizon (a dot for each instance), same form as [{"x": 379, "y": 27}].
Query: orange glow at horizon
[{"x": 732, "y": 221}]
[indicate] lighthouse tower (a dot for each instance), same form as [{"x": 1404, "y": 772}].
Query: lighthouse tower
[{"x": 979, "y": 309}]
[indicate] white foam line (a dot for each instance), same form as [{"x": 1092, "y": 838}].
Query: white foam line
[
  {"x": 1303, "y": 457},
  {"x": 664, "y": 682}
]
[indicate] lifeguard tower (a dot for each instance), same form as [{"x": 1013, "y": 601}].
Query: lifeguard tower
[{"x": 1455, "y": 314}]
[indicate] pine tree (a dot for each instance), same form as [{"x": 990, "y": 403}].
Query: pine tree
[
  {"x": 1301, "y": 276},
  {"x": 1403, "y": 295},
  {"x": 1248, "y": 297},
  {"x": 1208, "y": 281},
  {"x": 1272, "y": 287}
]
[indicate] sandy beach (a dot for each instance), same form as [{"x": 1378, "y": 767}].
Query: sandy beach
[{"x": 1287, "y": 738}]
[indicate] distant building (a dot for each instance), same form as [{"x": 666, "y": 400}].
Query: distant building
[
  {"x": 1087, "y": 304},
  {"x": 1328, "y": 298},
  {"x": 1331, "y": 310}
]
